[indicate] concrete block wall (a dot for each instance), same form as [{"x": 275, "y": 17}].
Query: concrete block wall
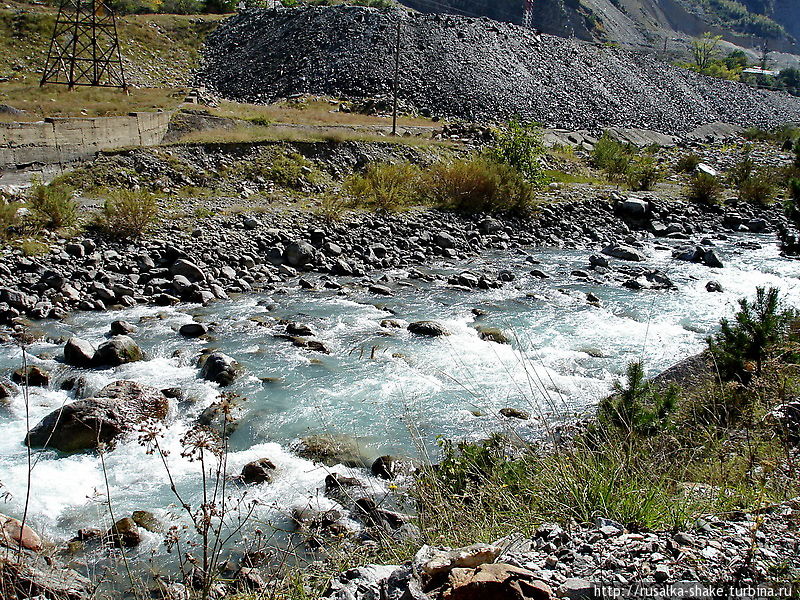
[{"x": 64, "y": 140}]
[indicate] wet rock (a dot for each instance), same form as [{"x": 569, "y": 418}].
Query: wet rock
[
  {"x": 193, "y": 330},
  {"x": 221, "y": 416},
  {"x": 388, "y": 467},
  {"x": 13, "y": 534},
  {"x": 492, "y": 334},
  {"x": 32, "y": 375},
  {"x": 258, "y": 471},
  {"x": 83, "y": 424},
  {"x": 7, "y": 390},
  {"x": 147, "y": 521},
  {"x": 623, "y": 252},
  {"x": 300, "y": 329},
  {"x": 332, "y": 450},
  {"x": 78, "y": 353},
  {"x": 428, "y": 328},
  {"x": 124, "y": 534},
  {"x": 714, "y": 286},
  {"x": 390, "y": 324},
  {"x": 123, "y": 328},
  {"x": 119, "y": 350},
  {"x": 219, "y": 368},
  {"x": 336, "y": 483},
  {"x": 710, "y": 259},
  {"x": 515, "y": 413}
]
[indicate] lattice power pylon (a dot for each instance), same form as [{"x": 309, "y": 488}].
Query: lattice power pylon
[
  {"x": 527, "y": 16},
  {"x": 84, "y": 49}
]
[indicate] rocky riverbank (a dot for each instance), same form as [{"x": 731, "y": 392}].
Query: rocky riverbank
[{"x": 240, "y": 253}]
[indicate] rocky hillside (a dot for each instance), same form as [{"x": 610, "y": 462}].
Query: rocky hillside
[
  {"x": 473, "y": 69},
  {"x": 643, "y": 23}
]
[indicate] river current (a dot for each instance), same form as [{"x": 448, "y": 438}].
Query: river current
[{"x": 396, "y": 393}]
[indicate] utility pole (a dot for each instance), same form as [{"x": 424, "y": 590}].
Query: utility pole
[{"x": 396, "y": 77}]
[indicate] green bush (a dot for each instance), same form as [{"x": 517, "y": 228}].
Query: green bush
[
  {"x": 612, "y": 156},
  {"x": 759, "y": 187},
  {"x": 519, "y": 145},
  {"x": 742, "y": 170},
  {"x": 291, "y": 170},
  {"x": 637, "y": 407},
  {"x": 53, "y": 205},
  {"x": 128, "y": 214},
  {"x": 643, "y": 173},
  {"x": 8, "y": 218},
  {"x": 741, "y": 347},
  {"x": 477, "y": 185},
  {"x": 385, "y": 186},
  {"x": 792, "y": 205},
  {"x": 688, "y": 163},
  {"x": 704, "y": 188}
]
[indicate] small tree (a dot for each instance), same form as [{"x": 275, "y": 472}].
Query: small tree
[
  {"x": 637, "y": 407},
  {"x": 705, "y": 50},
  {"x": 741, "y": 347},
  {"x": 519, "y": 145}
]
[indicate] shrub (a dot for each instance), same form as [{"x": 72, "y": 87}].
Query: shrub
[
  {"x": 637, "y": 407},
  {"x": 128, "y": 214},
  {"x": 758, "y": 187},
  {"x": 741, "y": 347},
  {"x": 385, "y": 186},
  {"x": 643, "y": 173},
  {"x": 704, "y": 188},
  {"x": 52, "y": 205},
  {"x": 477, "y": 185},
  {"x": 332, "y": 206},
  {"x": 8, "y": 218},
  {"x": 519, "y": 145},
  {"x": 797, "y": 153},
  {"x": 290, "y": 170},
  {"x": 612, "y": 156},
  {"x": 792, "y": 205},
  {"x": 688, "y": 163},
  {"x": 742, "y": 170}
]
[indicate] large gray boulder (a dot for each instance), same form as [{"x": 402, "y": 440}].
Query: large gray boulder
[
  {"x": 219, "y": 368},
  {"x": 187, "y": 269},
  {"x": 299, "y": 254},
  {"x": 78, "y": 353},
  {"x": 623, "y": 252},
  {"x": 83, "y": 424},
  {"x": 119, "y": 350}
]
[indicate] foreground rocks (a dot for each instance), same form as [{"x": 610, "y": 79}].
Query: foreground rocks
[
  {"x": 571, "y": 563},
  {"x": 84, "y": 424}
]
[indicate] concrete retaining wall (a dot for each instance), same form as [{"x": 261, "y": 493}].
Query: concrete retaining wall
[{"x": 63, "y": 140}]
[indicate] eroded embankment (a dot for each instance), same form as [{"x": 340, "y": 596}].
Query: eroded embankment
[{"x": 472, "y": 69}]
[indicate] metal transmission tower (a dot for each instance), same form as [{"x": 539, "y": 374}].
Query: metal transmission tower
[
  {"x": 84, "y": 49},
  {"x": 527, "y": 16}
]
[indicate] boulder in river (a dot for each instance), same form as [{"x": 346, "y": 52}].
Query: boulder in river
[
  {"x": 31, "y": 375},
  {"x": 193, "y": 330},
  {"x": 123, "y": 328},
  {"x": 83, "y": 424},
  {"x": 219, "y": 368},
  {"x": 331, "y": 450},
  {"x": 119, "y": 350},
  {"x": 258, "y": 471},
  {"x": 428, "y": 328},
  {"x": 124, "y": 533},
  {"x": 623, "y": 252},
  {"x": 78, "y": 353}
]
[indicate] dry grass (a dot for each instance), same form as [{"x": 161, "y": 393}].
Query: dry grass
[{"x": 317, "y": 112}]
